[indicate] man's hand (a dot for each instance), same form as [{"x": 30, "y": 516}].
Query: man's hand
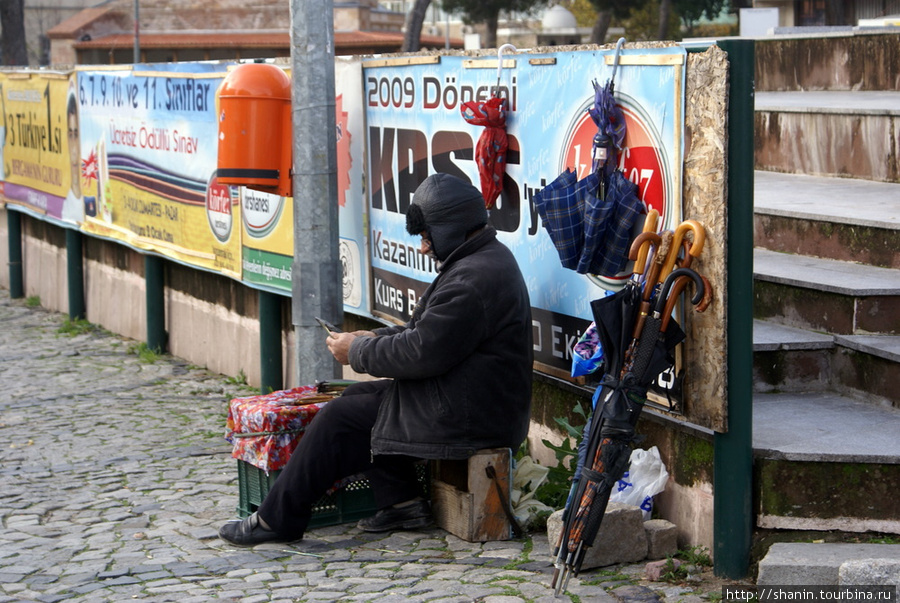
[{"x": 339, "y": 346}]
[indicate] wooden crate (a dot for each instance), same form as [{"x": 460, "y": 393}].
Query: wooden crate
[{"x": 464, "y": 499}]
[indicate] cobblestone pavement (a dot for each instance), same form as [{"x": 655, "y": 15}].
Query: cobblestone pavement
[{"x": 115, "y": 479}]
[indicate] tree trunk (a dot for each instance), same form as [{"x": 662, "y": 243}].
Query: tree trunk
[
  {"x": 601, "y": 26},
  {"x": 490, "y": 33},
  {"x": 665, "y": 11},
  {"x": 414, "y": 20},
  {"x": 12, "y": 21}
]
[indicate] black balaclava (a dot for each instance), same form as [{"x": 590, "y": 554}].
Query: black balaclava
[{"x": 448, "y": 209}]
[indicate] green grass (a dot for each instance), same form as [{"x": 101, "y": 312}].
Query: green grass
[
  {"x": 79, "y": 326},
  {"x": 884, "y": 540},
  {"x": 33, "y": 301},
  {"x": 240, "y": 379},
  {"x": 605, "y": 576},
  {"x": 144, "y": 352},
  {"x": 695, "y": 556}
]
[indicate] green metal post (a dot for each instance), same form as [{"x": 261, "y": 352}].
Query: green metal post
[
  {"x": 733, "y": 463},
  {"x": 270, "y": 342},
  {"x": 75, "y": 274},
  {"x": 154, "y": 283},
  {"x": 14, "y": 228}
]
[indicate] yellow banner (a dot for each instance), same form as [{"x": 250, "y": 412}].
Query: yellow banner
[{"x": 40, "y": 163}]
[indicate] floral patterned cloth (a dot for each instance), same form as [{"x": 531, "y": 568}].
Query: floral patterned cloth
[{"x": 264, "y": 430}]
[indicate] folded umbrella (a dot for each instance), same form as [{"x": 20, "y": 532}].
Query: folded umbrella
[
  {"x": 610, "y": 122},
  {"x": 604, "y": 451},
  {"x": 490, "y": 151},
  {"x": 605, "y": 201}
]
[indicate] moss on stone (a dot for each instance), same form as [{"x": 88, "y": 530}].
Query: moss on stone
[{"x": 693, "y": 461}]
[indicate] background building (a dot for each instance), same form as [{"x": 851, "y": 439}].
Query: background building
[{"x": 183, "y": 30}]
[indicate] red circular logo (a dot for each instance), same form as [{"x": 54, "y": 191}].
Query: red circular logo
[{"x": 218, "y": 208}]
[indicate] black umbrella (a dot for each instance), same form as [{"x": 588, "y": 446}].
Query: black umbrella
[
  {"x": 619, "y": 402},
  {"x": 652, "y": 354}
]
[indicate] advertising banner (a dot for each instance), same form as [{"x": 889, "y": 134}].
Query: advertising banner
[
  {"x": 351, "y": 166},
  {"x": 148, "y": 163},
  {"x": 415, "y": 129},
  {"x": 39, "y": 144},
  {"x": 268, "y": 237}
]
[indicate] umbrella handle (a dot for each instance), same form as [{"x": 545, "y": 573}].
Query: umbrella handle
[
  {"x": 619, "y": 44},
  {"x": 656, "y": 265},
  {"x": 692, "y": 252},
  {"x": 672, "y": 280},
  {"x": 500, "y": 62},
  {"x": 680, "y": 283},
  {"x": 640, "y": 247},
  {"x": 640, "y": 260},
  {"x": 707, "y": 295}
]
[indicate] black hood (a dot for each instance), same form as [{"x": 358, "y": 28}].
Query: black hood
[{"x": 448, "y": 209}]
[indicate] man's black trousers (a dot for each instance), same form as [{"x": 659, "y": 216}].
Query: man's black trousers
[{"x": 336, "y": 445}]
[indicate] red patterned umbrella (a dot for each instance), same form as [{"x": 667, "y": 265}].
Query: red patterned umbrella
[{"x": 490, "y": 152}]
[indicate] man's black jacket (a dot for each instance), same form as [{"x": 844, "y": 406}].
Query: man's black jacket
[{"x": 462, "y": 366}]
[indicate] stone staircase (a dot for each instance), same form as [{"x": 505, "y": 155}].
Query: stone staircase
[
  {"x": 826, "y": 335},
  {"x": 826, "y": 345}
]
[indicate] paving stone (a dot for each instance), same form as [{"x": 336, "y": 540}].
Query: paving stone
[{"x": 125, "y": 504}]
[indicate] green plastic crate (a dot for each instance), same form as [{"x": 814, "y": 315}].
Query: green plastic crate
[{"x": 351, "y": 502}]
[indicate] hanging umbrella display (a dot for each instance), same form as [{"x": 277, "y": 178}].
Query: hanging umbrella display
[
  {"x": 619, "y": 402},
  {"x": 601, "y": 209},
  {"x": 636, "y": 350},
  {"x": 490, "y": 151}
]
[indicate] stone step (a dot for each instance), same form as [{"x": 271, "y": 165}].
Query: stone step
[
  {"x": 829, "y": 133},
  {"x": 824, "y": 461},
  {"x": 788, "y": 359},
  {"x": 830, "y": 564},
  {"x": 826, "y": 295},
  {"x": 838, "y": 218},
  {"x": 868, "y": 363}
]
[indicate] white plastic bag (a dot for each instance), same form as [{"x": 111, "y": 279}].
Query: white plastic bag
[{"x": 646, "y": 477}]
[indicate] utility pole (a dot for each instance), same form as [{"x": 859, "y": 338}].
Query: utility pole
[
  {"x": 316, "y": 271},
  {"x": 137, "y": 31}
]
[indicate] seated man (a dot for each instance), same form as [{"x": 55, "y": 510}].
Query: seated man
[{"x": 455, "y": 379}]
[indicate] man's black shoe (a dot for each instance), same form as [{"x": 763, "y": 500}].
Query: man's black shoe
[
  {"x": 248, "y": 532},
  {"x": 409, "y": 517}
]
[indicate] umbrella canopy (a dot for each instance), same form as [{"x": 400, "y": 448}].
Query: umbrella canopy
[
  {"x": 490, "y": 151},
  {"x": 590, "y": 230},
  {"x": 608, "y": 222},
  {"x": 561, "y": 207}
]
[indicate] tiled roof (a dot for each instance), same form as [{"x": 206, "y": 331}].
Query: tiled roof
[
  {"x": 344, "y": 41},
  {"x": 229, "y": 39},
  {"x": 75, "y": 23}
]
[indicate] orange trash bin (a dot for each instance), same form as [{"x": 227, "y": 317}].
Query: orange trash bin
[{"x": 254, "y": 114}]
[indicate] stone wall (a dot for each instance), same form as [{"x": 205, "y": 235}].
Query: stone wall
[{"x": 856, "y": 61}]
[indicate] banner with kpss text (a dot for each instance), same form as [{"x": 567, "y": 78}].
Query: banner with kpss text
[
  {"x": 148, "y": 163},
  {"x": 415, "y": 129}
]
